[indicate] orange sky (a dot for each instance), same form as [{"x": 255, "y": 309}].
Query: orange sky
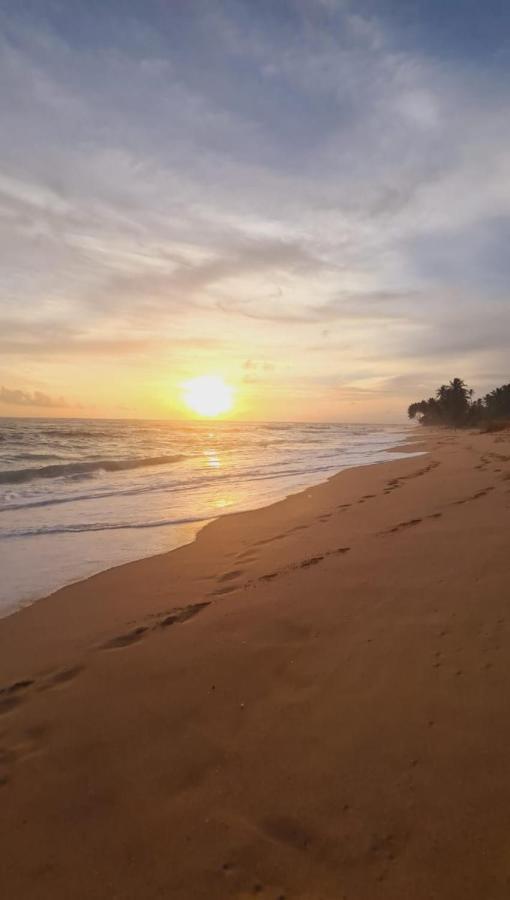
[{"x": 302, "y": 198}]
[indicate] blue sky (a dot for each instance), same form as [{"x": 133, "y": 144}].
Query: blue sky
[{"x": 310, "y": 197}]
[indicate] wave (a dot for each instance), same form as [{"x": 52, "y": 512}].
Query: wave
[
  {"x": 265, "y": 472},
  {"x": 20, "y": 476},
  {"x": 12, "y": 436},
  {"x": 77, "y": 432},
  {"x": 38, "y": 456},
  {"x": 87, "y": 527}
]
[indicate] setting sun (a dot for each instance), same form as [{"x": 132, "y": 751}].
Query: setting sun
[{"x": 208, "y": 395}]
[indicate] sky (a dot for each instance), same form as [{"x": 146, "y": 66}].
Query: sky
[{"x": 307, "y": 198}]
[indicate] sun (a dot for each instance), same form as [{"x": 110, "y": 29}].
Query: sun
[{"x": 208, "y": 395}]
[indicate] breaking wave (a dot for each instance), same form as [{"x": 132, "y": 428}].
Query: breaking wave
[
  {"x": 83, "y": 528},
  {"x": 20, "y": 476}
]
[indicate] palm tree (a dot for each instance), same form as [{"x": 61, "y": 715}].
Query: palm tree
[{"x": 451, "y": 405}]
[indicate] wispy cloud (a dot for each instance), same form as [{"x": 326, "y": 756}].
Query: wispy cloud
[
  {"x": 14, "y": 397},
  {"x": 185, "y": 176}
]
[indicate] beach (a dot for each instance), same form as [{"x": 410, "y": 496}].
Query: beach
[
  {"x": 79, "y": 496},
  {"x": 309, "y": 702}
]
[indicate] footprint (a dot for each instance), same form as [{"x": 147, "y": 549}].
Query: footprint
[
  {"x": 176, "y": 617},
  {"x": 8, "y": 703},
  {"x": 17, "y": 686},
  {"x": 12, "y": 695},
  {"x": 277, "y": 537},
  {"x": 229, "y": 575},
  {"x": 312, "y": 561},
  {"x": 304, "y": 564},
  {"x": 401, "y": 526},
  {"x": 476, "y": 496},
  {"x": 63, "y": 676},
  {"x": 182, "y": 615},
  {"x": 247, "y": 556},
  {"x": 225, "y": 590},
  {"x": 124, "y": 640}
]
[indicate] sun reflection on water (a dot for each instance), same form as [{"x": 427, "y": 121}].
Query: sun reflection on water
[{"x": 213, "y": 460}]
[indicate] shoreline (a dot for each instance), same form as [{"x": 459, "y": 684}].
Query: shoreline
[
  {"x": 309, "y": 701},
  {"x": 191, "y": 528}
]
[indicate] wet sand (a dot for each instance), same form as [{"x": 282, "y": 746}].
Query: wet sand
[{"x": 310, "y": 701}]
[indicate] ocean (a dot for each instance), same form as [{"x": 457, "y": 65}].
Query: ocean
[{"x": 80, "y": 496}]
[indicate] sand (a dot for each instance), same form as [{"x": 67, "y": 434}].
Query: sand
[{"x": 310, "y": 701}]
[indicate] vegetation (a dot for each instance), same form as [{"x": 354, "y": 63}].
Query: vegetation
[{"x": 454, "y": 407}]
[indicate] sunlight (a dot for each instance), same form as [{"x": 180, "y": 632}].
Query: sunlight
[{"x": 208, "y": 395}]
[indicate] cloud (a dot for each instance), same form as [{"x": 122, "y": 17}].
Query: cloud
[
  {"x": 33, "y": 340},
  {"x": 14, "y": 397},
  {"x": 320, "y": 166}
]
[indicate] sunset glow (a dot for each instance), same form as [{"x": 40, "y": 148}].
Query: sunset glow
[
  {"x": 302, "y": 197},
  {"x": 208, "y": 395}
]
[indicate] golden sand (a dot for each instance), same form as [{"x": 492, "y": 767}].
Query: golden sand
[{"x": 310, "y": 701}]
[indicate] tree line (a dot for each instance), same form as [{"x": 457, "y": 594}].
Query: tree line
[{"x": 453, "y": 405}]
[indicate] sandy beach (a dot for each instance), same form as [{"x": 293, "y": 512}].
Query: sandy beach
[{"x": 309, "y": 701}]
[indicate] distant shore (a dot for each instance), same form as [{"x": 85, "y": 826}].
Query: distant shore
[{"x": 308, "y": 701}]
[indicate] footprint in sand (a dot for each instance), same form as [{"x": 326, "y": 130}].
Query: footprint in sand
[
  {"x": 476, "y": 496},
  {"x": 12, "y": 695},
  {"x": 228, "y": 576},
  {"x": 398, "y": 482},
  {"x": 248, "y": 556},
  {"x": 226, "y": 590},
  {"x": 277, "y": 537},
  {"x": 125, "y": 640},
  {"x": 410, "y": 523},
  {"x": 311, "y": 561},
  {"x": 63, "y": 676},
  {"x": 303, "y": 564},
  {"x": 8, "y": 703},
  {"x": 174, "y": 617},
  {"x": 182, "y": 615},
  {"x": 402, "y": 525}
]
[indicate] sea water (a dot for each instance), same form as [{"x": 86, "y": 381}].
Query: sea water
[{"x": 80, "y": 496}]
